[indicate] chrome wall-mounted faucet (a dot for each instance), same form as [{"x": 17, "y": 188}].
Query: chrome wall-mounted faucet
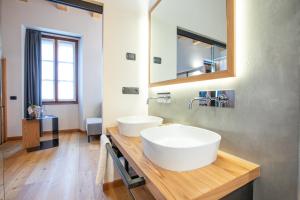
[
  {"x": 218, "y": 98},
  {"x": 161, "y": 98},
  {"x": 202, "y": 101},
  {"x": 190, "y": 104}
]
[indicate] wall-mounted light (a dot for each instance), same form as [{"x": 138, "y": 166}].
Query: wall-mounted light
[
  {"x": 202, "y": 44},
  {"x": 95, "y": 15},
  {"x": 61, "y": 7},
  {"x": 195, "y": 42}
]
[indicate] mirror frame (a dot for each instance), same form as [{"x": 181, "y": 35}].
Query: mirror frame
[{"x": 230, "y": 72}]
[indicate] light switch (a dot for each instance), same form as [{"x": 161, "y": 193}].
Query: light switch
[{"x": 130, "y": 56}]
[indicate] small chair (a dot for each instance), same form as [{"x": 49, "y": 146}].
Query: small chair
[{"x": 93, "y": 127}]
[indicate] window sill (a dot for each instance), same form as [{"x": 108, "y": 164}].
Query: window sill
[{"x": 60, "y": 103}]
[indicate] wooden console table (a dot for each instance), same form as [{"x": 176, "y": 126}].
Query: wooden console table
[{"x": 31, "y": 131}]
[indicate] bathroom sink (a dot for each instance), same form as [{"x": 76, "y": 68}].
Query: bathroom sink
[
  {"x": 132, "y": 125},
  {"x": 180, "y": 148}
]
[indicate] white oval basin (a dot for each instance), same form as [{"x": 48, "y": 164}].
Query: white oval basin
[
  {"x": 180, "y": 148},
  {"x": 132, "y": 125}
]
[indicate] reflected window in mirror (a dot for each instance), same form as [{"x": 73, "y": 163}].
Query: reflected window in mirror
[{"x": 197, "y": 54}]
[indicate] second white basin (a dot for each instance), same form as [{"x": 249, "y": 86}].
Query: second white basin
[
  {"x": 180, "y": 148},
  {"x": 132, "y": 125}
]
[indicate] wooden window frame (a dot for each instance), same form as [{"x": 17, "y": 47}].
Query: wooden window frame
[{"x": 69, "y": 39}]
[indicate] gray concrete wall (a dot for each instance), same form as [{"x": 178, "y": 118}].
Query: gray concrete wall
[{"x": 264, "y": 125}]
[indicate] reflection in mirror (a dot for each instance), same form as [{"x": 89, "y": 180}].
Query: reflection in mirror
[
  {"x": 198, "y": 54},
  {"x": 189, "y": 41}
]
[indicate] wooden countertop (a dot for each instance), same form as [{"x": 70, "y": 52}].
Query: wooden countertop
[{"x": 225, "y": 175}]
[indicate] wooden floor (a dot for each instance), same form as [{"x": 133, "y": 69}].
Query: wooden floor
[{"x": 64, "y": 173}]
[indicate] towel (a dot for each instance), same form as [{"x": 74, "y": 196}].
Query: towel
[{"x": 105, "y": 172}]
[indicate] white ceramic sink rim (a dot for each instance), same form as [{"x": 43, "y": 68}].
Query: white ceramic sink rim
[
  {"x": 146, "y": 134},
  {"x": 131, "y": 126},
  {"x": 135, "y": 119},
  {"x": 178, "y": 147}
]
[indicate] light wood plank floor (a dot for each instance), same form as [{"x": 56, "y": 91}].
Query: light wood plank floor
[{"x": 64, "y": 173}]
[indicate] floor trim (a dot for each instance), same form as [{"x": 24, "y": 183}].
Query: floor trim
[
  {"x": 65, "y": 131},
  {"x": 82, "y": 131},
  {"x": 14, "y": 138}
]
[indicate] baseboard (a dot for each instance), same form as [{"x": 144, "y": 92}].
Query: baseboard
[
  {"x": 112, "y": 185},
  {"x": 15, "y": 138},
  {"x": 82, "y": 131},
  {"x": 65, "y": 131}
]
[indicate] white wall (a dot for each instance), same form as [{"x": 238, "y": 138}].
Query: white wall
[
  {"x": 68, "y": 116},
  {"x": 16, "y": 15},
  {"x": 125, "y": 30}
]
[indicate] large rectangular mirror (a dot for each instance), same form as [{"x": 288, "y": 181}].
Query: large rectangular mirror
[{"x": 191, "y": 40}]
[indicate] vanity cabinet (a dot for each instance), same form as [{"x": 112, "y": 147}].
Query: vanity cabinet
[{"x": 228, "y": 178}]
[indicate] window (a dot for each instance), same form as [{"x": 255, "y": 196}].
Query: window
[{"x": 59, "y": 70}]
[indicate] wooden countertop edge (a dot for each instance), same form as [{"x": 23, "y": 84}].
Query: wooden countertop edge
[
  {"x": 217, "y": 193},
  {"x": 237, "y": 183}
]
